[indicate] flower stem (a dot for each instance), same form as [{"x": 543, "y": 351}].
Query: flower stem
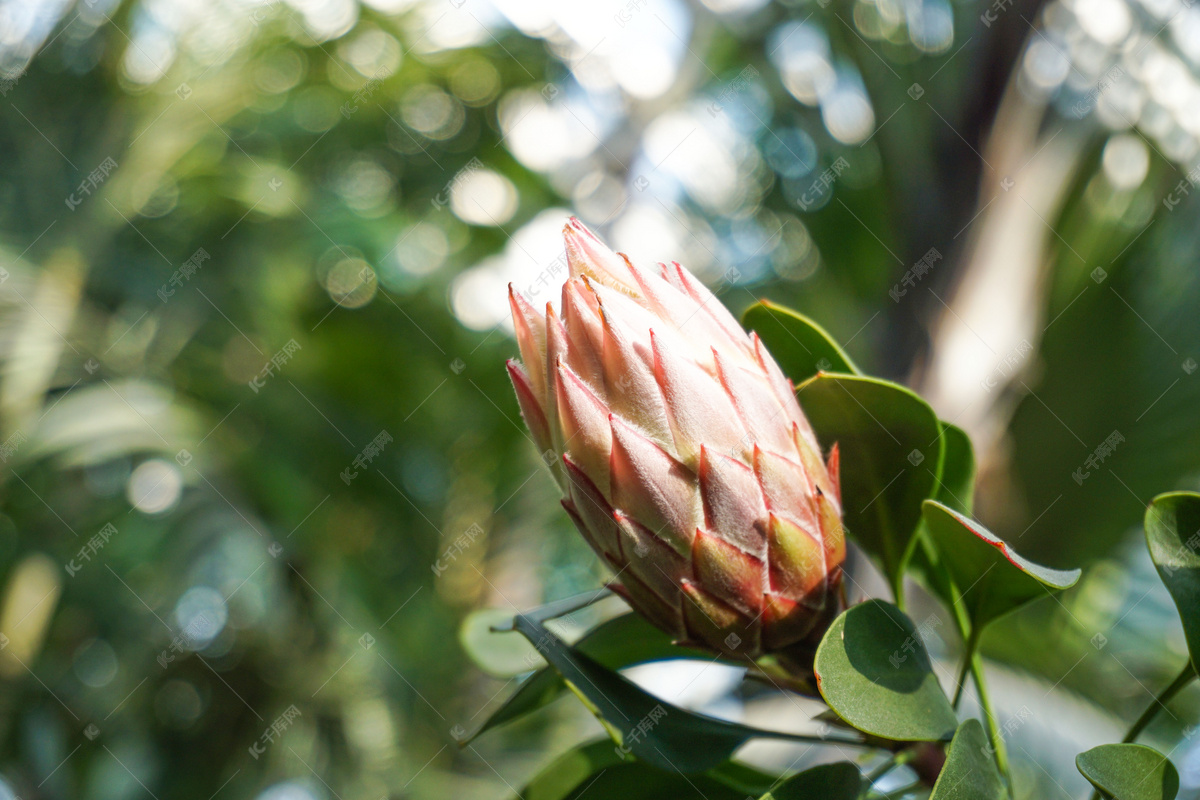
[
  {"x": 994, "y": 736},
  {"x": 969, "y": 649},
  {"x": 1185, "y": 677},
  {"x": 901, "y": 757}
]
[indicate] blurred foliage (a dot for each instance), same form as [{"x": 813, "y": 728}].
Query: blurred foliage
[{"x": 274, "y": 614}]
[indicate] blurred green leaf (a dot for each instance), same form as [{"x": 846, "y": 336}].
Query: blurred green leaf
[
  {"x": 616, "y": 643},
  {"x": 840, "y": 781},
  {"x": 873, "y": 671},
  {"x": 970, "y": 772},
  {"x": 800, "y": 346},
  {"x": 890, "y": 443},
  {"x": 956, "y": 481},
  {"x": 991, "y": 579},
  {"x": 654, "y": 731},
  {"x": 502, "y": 655},
  {"x": 598, "y": 770},
  {"x": 1129, "y": 772},
  {"x": 1169, "y": 519}
]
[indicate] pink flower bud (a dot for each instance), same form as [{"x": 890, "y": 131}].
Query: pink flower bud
[{"x": 683, "y": 456}]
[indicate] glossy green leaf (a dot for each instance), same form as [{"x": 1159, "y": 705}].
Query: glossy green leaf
[
  {"x": 956, "y": 489},
  {"x": 840, "y": 781},
  {"x": 1173, "y": 535},
  {"x": 1129, "y": 772},
  {"x": 970, "y": 772},
  {"x": 874, "y": 672},
  {"x": 598, "y": 770},
  {"x": 891, "y": 444},
  {"x": 991, "y": 578},
  {"x": 956, "y": 479},
  {"x": 616, "y": 643},
  {"x": 652, "y": 730},
  {"x": 800, "y": 346}
]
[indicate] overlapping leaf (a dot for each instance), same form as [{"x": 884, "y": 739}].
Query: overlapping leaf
[
  {"x": 956, "y": 478},
  {"x": 840, "y": 781},
  {"x": 970, "y": 772},
  {"x": 800, "y": 346},
  {"x": 874, "y": 672},
  {"x": 991, "y": 579},
  {"x": 1173, "y": 535},
  {"x": 1129, "y": 772},
  {"x": 599, "y": 770},
  {"x": 891, "y": 444},
  {"x": 619, "y": 642},
  {"x": 654, "y": 731}
]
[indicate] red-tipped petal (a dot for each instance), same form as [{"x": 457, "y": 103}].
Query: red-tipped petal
[
  {"x": 787, "y": 488},
  {"x": 731, "y": 574},
  {"x": 531, "y": 339},
  {"x": 719, "y": 626},
  {"x": 585, "y": 336},
  {"x": 796, "y": 559},
  {"x": 589, "y": 536},
  {"x": 733, "y": 503},
  {"x": 585, "y": 428},
  {"x": 663, "y": 614},
  {"x": 834, "y": 467},
  {"x": 633, "y": 391},
  {"x": 684, "y": 314},
  {"x": 757, "y": 405},
  {"x": 531, "y": 408},
  {"x": 697, "y": 407},
  {"x": 587, "y": 255},
  {"x": 784, "y": 389},
  {"x": 712, "y": 306},
  {"x": 786, "y": 622},
  {"x": 833, "y": 532},
  {"x": 594, "y": 510},
  {"x": 650, "y": 558},
  {"x": 653, "y": 488},
  {"x": 810, "y": 458},
  {"x": 556, "y": 350}
]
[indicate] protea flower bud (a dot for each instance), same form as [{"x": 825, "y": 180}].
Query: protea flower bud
[{"x": 682, "y": 453}]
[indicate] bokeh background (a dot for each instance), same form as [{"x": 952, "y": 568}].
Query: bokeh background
[{"x": 263, "y": 474}]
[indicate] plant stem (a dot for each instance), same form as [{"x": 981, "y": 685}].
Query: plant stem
[
  {"x": 902, "y": 757},
  {"x": 969, "y": 649},
  {"x": 896, "y": 793},
  {"x": 898, "y": 592},
  {"x": 994, "y": 735},
  {"x": 1185, "y": 677}
]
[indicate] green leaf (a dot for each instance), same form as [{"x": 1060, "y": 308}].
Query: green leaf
[
  {"x": 956, "y": 489},
  {"x": 598, "y": 770},
  {"x": 654, "y": 731},
  {"x": 873, "y": 671},
  {"x": 956, "y": 482},
  {"x": 616, "y": 643},
  {"x": 840, "y": 781},
  {"x": 970, "y": 772},
  {"x": 498, "y": 654},
  {"x": 991, "y": 578},
  {"x": 801, "y": 347},
  {"x": 1172, "y": 523},
  {"x": 891, "y": 444},
  {"x": 1129, "y": 772}
]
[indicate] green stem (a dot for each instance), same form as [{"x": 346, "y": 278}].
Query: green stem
[
  {"x": 994, "y": 735},
  {"x": 968, "y": 654},
  {"x": 1185, "y": 677},
  {"x": 896, "y": 793},
  {"x": 902, "y": 757},
  {"x": 898, "y": 591}
]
